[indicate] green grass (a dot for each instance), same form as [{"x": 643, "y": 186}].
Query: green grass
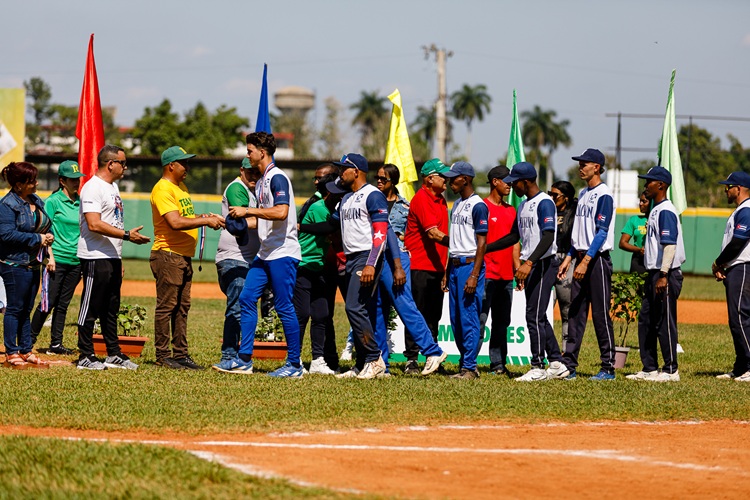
[
  {"x": 702, "y": 288},
  {"x": 52, "y": 468}
]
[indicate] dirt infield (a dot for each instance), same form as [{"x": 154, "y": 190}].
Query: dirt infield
[{"x": 490, "y": 460}]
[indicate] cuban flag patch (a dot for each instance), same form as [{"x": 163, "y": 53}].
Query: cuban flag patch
[
  {"x": 601, "y": 218},
  {"x": 741, "y": 227},
  {"x": 280, "y": 193},
  {"x": 382, "y": 210},
  {"x": 548, "y": 219},
  {"x": 665, "y": 232}
]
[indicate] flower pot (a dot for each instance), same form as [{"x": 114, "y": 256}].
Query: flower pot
[
  {"x": 269, "y": 350},
  {"x": 130, "y": 346},
  {"x": 621, "y": 356}
]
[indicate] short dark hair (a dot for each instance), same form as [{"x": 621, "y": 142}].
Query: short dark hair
[
  {"x": 107, "y": 153},
  {"x": 19, "y": 172},
  {"x": 393, "y": 173},
  {"x": 263, "y": 140}
]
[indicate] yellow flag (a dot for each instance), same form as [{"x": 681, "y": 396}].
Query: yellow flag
[{"x": 398, "y": 149}]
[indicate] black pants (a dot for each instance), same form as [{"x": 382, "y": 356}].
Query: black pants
[
  {"x": 310, "y": 304},
  {"x": 428, "y": 296},
  {"x": 334, "y": 280},
  {"x": 361, "y": 308},
  {"x": 498, "y": 300},
  {"x": 658, "y": 321},
  {"x": 62, "y": 284},
  {"x": 737, "y": 285},
  {"x": 102, "y": 280},
  {"x": 595, "y": 290},
  {"x": 538, "y": 289}
]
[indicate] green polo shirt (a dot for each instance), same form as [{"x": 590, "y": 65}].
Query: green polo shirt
[
  {"x": 636, "y": 228},
  {"x": 66, "y": 226},
  {"x": 314, "y": 246}
]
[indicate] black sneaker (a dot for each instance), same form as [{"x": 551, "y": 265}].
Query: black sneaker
[
  {"x": 169, "y": 363},
  {"x": 466, "y": 374},
  {"x": 187, "y": 362},
  {"x": 412, "y": 368},
  {"x": 60, "y": 350}
]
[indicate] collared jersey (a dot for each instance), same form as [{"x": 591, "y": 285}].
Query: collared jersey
[
  {"x": 99, "y": 196},
  {"x": 278, "y": 238},
  {"x": 357, "y": 211},
  {"x": 65, "y": 226},
  {"x": 595, "y": 211},
  {"x": 168, "y": 197},
  {"x": 237, "y": 194},
  {"x": 536, "y": 215},
  {"x": 426, "y": 211},
  {"x": 663, "y": 228},
  {"x": 468, "y": 218},
  {"x": 499, "y": 264},
  {"x": 738, "y": 226}
]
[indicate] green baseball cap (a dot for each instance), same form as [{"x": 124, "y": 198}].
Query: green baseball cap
[
  {"x": 70, "y": 170},
  {"x": 246, "y": 163},
  {"x": 434, "y": 166},
  {"x": 175, "y": 153}
]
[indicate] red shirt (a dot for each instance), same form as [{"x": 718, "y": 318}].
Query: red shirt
[
  {"x": 426, "y": 210},
  {"x": 499, "y": 264}
]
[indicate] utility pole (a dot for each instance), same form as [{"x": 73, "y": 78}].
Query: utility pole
[{"x": 441, "y": 126}]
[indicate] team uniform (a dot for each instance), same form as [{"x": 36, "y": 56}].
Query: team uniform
[
  {"x": 535, "y": 216},
  {"x": 737, "y": 284},
  {"x": 658, "y": 316},
  {"x": 276, "y": 262},
  {"x": 468, "y": 219},
  {"x": 593, "y": 235}
]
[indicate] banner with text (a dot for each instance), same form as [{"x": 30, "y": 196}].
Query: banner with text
[{"x": 12, "y": 125}]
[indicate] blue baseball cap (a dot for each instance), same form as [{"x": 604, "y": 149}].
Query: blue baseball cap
[
  {"x": 459, "y": 168},
  {"x": 737, "y": 179},
  {"x": 657, "y": 174},
  {"x": 521, "y": 171},
  {"x": 238, "y": 229},
  {"x": 335, "y": 186},
  {"x": 591, "y": 155},
  {"x": 355, "y": 160}
]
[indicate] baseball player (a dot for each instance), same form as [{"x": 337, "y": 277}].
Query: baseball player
[
  {"x": 464, "y": 280},
  {"x": 664, "y": 254},
  {"x": 732, "y": 266},
  {"x": 536, "y": 224},
  {"x": 591, "y": 241}
]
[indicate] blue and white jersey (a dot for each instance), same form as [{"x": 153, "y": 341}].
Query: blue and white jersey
[
  {"x": 357, "y": 211},
  {"x": 663, "y": 228},
  {"x": 596, "y": 210},
  {"x": 738, "y": 226},
  {"x": 468, "y": 218},
  {"x": 278, "y": 238},
  {"x": 536, "y": 215}
]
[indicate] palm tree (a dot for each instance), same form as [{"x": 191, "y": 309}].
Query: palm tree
[
  {"x": 425, "y": 125},
  {"x": 540, "y": 130},
  {"x": 469, "y": 104},
  {"x": 371, "y": 111}
]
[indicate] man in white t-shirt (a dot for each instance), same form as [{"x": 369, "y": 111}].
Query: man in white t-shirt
[{"x": 100, "y": 252}]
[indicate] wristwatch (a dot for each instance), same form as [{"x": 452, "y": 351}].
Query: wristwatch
[
  {"x": 663, "y": 274},
  {"x": 126, "y": 236}
]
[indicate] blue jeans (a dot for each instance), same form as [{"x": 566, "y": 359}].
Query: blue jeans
[
  {"x": 282, "y": 274},
  {"x": 402, "y": 300},
  {"x": 465, "y": 309},
  {"x": 21, "y": 285},
  {"x": 232, "y": 275}
]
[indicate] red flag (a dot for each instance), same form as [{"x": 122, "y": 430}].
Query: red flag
[{"x": 90, "y": 129}]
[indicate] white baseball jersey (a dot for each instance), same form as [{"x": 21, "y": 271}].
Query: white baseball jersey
[
  {"x": 663, "y": 228},
  {"x": 596, "y": 209},
  {"x": 357, "y": 211},
  {"x": 534, "y": 216},
  {"x": 738, "y": 226},
  {"x": 228, "y": 248},
  {"x": 468, "y": 218},
  {"x": 278, "y": 238}
]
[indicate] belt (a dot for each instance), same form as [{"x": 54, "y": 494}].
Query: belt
[
  {"x": 457, "y": 261},
  {"x": 581, "y": 254}
]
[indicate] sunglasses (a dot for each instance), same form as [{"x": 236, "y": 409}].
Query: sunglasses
[
  {"x": 553, "y": 195},
  {"x": 729, "y": 186},
  {"x": 384, "y": 180},
  {"x": 345, "y": 159}
]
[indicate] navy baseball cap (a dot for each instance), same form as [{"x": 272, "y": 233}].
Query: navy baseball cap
[
  {"x": 657, "y": 174},
  {"x": 591, "y": 155},
  {"x": 238, "y": 229},
  {"x": 459, "y": 168},
  {"x": 521, "y": 171},
  {"x": 335, "y": 186},
  {"x": 498, "y": 172},
  {"x": 353, "y": 160},
  {"x": 737, "y": 179}
]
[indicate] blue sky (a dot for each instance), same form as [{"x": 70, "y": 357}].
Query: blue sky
[{"x": 581, "y": 58}]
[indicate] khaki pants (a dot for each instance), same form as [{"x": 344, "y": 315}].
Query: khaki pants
[{"x": 174, "y": 274}]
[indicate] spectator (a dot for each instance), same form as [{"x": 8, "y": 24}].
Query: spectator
[
  {"x": 635, "y": 230},
  {"x": 563, "y": 194}
]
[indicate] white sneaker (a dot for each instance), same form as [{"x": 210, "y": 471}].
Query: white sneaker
[
  {"x": 557, "y": 370},
  {"x": 641, "y": 375},
  {"x": 349, "y": 374},
  {"x": 667, "y": 377},
  {"x": 346, "y": 354},
  {"x": 726, "y": 376},
  {"x": 319, "y": 366},
  {"x": 433, "y": 363},
  {"x": 372, "y": 369},
  {"x": 745, "y": 377},
  {"x": 533, "y": 375}
]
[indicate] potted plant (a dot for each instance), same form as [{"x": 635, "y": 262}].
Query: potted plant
[
  {"x": 269, "y": 339},
  {"x": 130, "y": 320},
  {"x": 627, "y": 296}
]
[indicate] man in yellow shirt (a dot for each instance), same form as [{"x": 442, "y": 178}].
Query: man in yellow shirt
[{"x": 175, "y": 235}]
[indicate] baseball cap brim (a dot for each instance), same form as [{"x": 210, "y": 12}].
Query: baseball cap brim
[
  {"x": 451, "y": 173},
  {"x": 334, "y": 188}
]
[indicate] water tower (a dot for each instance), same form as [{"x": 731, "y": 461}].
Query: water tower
[{"x": 294, "y": 100}]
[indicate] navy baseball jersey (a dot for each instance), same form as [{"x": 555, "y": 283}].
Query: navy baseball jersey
[
  {"x": 468, "y": 218},
  {"x": 663, "y": 228},
  {"x": 595, "y": 211},
  {"x": 738, "y": 226},
  {"x": 536, "y": 215}
]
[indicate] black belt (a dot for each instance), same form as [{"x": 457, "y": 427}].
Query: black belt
[{"x": 456, "y": 261}]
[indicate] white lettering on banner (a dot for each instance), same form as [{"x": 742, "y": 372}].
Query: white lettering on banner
[{"x": 519, "y": 348}]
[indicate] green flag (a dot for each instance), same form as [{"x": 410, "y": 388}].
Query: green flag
[
  {"x": 515, "y": 149},
  {"x": 669, "y": 154}
]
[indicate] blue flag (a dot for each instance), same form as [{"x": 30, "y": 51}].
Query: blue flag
[{"x": 263, "y": 123}]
